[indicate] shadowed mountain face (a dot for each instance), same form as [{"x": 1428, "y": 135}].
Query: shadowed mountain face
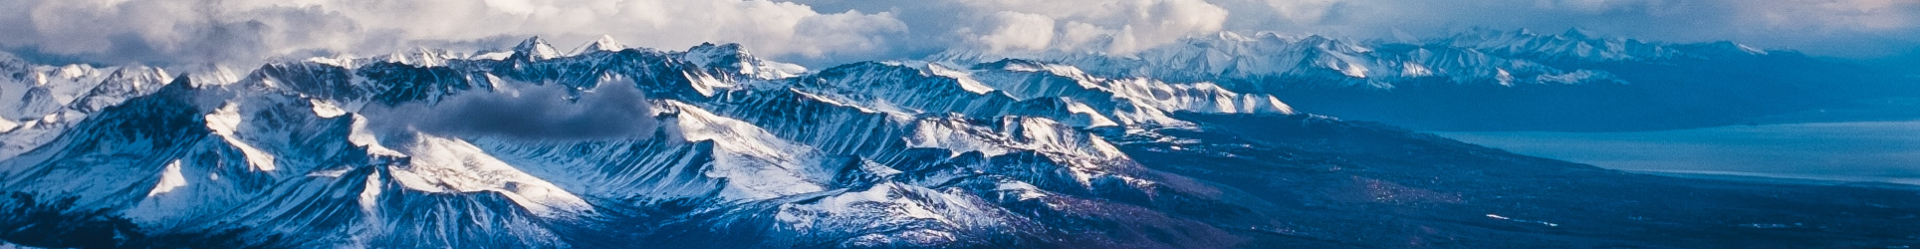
[{"x": 718, "y": 149}]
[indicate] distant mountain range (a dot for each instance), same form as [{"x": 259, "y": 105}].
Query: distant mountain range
[{"x": 1506, "y": 80}]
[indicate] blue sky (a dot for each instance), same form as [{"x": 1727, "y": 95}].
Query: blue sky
[{"x": 831, "y": 31}]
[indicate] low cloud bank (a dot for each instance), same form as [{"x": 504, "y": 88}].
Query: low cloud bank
[{"x": 825, "y": 32}]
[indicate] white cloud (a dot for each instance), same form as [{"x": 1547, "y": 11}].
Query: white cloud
[
  {"x": 833, "y": 31},
  {"x": 202, "y": 31},
  {"x": 1114, "y": 26},
  {"x": 1018, "y": 31},
  {"x": 1122, "y": 26},
  {"x": 1598, "y": 6},
  {"x": 1839, "y": 15}
]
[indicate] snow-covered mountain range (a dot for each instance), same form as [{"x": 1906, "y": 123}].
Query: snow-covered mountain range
[
  {"x": 1274, "y": 61},
  {"x": 429, "y": 149},
  {"x": 868, "y": 154}
]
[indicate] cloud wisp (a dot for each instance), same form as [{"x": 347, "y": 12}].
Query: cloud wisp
[{"x": 214, "y": 31}]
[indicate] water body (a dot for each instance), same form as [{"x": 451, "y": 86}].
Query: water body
[{"x": 1849, "y": 151}]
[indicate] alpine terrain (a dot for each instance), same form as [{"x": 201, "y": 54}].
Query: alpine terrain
[{"x": 1202, "y": 144}]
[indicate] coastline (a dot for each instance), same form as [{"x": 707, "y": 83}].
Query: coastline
[
  {"x": 1896, "y": 183},
  {"x": 1824, "y": 153}
]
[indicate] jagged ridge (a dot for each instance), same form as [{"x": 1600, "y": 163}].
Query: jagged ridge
[{"x": 938, "y": 156}]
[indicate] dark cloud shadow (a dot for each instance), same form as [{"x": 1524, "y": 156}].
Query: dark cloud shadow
[{"x": 613, "y": 111}]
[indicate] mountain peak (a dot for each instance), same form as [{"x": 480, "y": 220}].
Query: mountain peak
[
  {"x": 1733, "y": 48},
  {"x": 728, "y": 55},
  {"x": 605, "y": 43},
  {"x": 712, "y": 46},
  {"x": 1578, "y": 33},
  {"x": 535, "y": 48},
  {"x": 732, "y": 58}
]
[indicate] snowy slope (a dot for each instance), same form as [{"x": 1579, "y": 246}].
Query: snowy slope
[{"x": 43, "y": 101}]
